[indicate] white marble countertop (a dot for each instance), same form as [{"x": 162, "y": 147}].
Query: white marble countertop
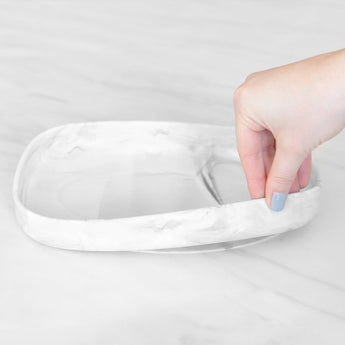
[{"x": 70, "y": 61}]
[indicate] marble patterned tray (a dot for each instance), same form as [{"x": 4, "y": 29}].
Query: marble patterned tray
[{"x": 145, "y": 186}]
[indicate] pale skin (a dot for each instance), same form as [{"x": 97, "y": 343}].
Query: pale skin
[{"x": 282, "y": 114}]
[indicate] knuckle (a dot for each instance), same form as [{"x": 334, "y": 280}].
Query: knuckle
[
  {"x": 282, "y": 180},
  {"x": 238, "y": 94},
  {"x": 244, "y": 95},
  {"x": 241, "y": 96},
  {"x": 251, "y": 76},
  {"x": 255, "y": 155}
]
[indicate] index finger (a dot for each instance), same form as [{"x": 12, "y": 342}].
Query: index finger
[{"x": 249, "y": 144}]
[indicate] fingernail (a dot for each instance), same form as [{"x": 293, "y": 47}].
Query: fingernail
[{"x": 278, "y": 201}]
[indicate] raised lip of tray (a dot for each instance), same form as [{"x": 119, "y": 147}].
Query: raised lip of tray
[
  {"x": 22, "y": 212},
  {"x": 29, "y": 147}
]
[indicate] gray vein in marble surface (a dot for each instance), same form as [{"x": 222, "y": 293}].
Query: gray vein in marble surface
[
  {"x": 48, "y": 97},
  {"x": 248, "y": 253},
  {"x": 289, "y": 297}
]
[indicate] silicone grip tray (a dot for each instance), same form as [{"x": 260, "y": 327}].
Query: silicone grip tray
[{"x": 139, "y": 186}]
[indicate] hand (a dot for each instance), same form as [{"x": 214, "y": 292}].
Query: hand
[{"x": 282, "y": 114}]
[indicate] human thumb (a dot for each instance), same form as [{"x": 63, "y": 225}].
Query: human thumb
[{"x": 281, "y": 176}]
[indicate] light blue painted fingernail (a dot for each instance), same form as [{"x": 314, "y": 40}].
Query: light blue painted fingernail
[{"x": 278, "y": 201}]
